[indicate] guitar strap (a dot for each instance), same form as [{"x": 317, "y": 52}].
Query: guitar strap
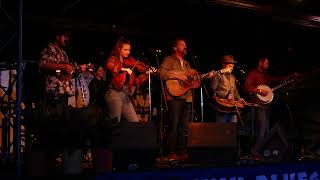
[
  {"x": 228, "y": 75},
  {"x": 218, "y": 73}
]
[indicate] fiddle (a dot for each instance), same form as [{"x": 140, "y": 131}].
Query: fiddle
[
  {"x": 135, "y": 64},
  {"x": 123, "y": 72}
]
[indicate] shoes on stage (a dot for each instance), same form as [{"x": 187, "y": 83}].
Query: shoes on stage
[
  {"x": 257, "y": 157},
  {"x": 183, "y": 157},
  {"x": 173, "y": 157}
]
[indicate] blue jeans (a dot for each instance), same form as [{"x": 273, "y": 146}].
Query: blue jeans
[
  {"x": 226, "y": 117},
  {"x": 119, "y": 105}
]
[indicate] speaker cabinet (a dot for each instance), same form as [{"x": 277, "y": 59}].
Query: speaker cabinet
[
  {"x": 213, "y": 143},
  {"x": 134, "y": 146},
  {"x": 274, "y": 145}
]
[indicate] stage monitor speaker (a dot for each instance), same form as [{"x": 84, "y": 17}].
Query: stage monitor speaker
[
  {"x": 134, "y": 146},
  {"x": 274, "y": 146},
  {"x": 213, "y": 143},
  {"x": 314, "y": 147}
]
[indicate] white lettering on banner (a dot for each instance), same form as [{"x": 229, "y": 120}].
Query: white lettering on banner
[
  {"x": 302, "y": 176},
  {"x": 299, "y": 176},
  {"x": 222, "y": 178},
  {"x": 285, "y": 176},
  {"x": 314, "y": 176},
  {"x": 289, "y": 177}
]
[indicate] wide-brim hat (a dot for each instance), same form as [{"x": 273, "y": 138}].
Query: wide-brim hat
[{"x": 228, "y": 59}]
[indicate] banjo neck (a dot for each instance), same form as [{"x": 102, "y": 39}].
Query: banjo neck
[
  {"x": 269, "y": 97},
  {"x": 282, "y": 84}
]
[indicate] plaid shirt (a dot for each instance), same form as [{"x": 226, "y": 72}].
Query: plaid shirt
[{"x": 56, "y": 84}]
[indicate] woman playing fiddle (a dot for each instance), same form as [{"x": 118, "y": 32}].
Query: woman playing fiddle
[{"x": 121, "y": 66}]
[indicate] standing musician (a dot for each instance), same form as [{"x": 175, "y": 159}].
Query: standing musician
[
  {"x": 58, "y": 131},
  {"x": 121, "y": 67},
  {"x": 99, "y": 129},
  {"x": 224, "y": 87},
  {"x": 256, "y": 77},
  {"x": 80, "y": 87},
  {"x": 179, "y": 107}
]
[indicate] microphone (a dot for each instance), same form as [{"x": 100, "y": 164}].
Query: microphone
[
  {"x": 191, "y": 53},
  {"x": 240, "y": 69},
  {"x": 154, "y": 50}
]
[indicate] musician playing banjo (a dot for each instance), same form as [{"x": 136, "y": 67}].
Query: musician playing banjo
[
  {"x": 224, "y": 87},
  {"x": 255, "y": 81}
]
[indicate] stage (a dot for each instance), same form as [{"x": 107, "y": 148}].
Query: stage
[{"x": 262, "y": 171}]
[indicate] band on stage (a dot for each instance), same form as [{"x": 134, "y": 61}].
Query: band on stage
[{"x": 84, "y": 104}]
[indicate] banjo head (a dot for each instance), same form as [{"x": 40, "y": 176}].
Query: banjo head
[{"x": 265, "y": 99}]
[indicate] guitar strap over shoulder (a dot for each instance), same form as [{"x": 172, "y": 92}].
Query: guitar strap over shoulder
[{"x": 171, "y": 65}]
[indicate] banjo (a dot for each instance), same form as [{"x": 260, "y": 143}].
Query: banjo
[{"x": 269, "y": 97}]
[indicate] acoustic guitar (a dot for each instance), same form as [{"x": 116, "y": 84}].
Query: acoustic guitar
[
  {"x": 224, "y": 105},
  {"x": 178, "y": 88}
]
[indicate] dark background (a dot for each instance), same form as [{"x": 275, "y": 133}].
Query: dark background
[{"x": 287, "y": 32}]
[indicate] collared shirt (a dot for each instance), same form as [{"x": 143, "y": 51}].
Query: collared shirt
[
  {"x": 55, "y": 83},
  {"x": 171, "y": 64},
  {"x": 224, "y": 84},
  {"x": 256, "y": 78}
]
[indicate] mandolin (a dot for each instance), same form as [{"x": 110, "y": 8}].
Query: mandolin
[{"x": 76, "y": 70}]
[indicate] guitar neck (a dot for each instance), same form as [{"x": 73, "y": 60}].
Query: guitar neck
[
  {"x": 208, "y": 74},
  {"x": 213, "y": 73}
]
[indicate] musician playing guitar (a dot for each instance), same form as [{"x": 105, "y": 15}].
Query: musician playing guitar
[
  {"x": 175, "y": 67},
  {"x": 224, "y": 86},
  {"x": 255, "y": 78}
]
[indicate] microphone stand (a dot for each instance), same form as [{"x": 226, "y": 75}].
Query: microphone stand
[
  {"x": 150, "y": 99},
  {"x": 162, "y": 109},
  {"x": 76, "y": 92},
  {"x": 201, "y": 90},
  {"x": 242, "y": 73}
]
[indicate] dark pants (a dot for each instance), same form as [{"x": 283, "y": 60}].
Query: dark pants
[
  {"x": 179, "y": 117},
  {"x": 99, "y": 126},
  {"x": 63, "y": 126},
  {"x": 99, "y": 134},
  {"x": 261, "y": 121},
  {"x": 58, "y": 128}
]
